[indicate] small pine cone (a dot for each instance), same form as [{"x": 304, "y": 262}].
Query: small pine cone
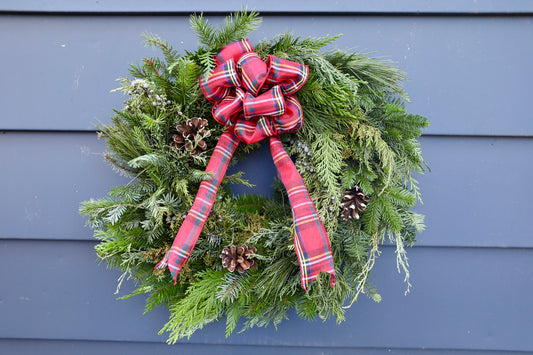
[
  {"x": 178, "y": 141},
  {"x": 191, "y": 135},
  {"x": 238, "y": 258},
  {"x": 353, "y": 202}
]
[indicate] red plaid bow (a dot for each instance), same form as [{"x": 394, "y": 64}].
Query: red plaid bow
[{"x": 253, "y": 99}]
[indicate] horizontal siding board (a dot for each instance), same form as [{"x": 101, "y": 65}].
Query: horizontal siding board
[
  {"x": 476, "y": 193},
  {"x": 465, "y": 74},
  {"x": 46, "y": 177},
  {"x": 358, "y": 6},
  {"x": 465, "y": 202},
  {"x": 461, "y": 300},
  {"x": 80, "y": 347},
  {"x": 68, "y": 65}
]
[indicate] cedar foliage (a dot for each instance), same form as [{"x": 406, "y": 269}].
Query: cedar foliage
[{"x": 356, "y": 132}]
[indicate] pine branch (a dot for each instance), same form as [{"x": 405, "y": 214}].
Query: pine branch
[
  {"x": 153, "y": 40},
  {"x": 379, "y": 76},
  {"x": 234, "y": 28}
]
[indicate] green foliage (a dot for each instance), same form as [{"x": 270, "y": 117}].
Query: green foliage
[
  {"x": 200, "y": 307},
  {"x": 234, "y": 28},
  {"x": 357, "y": 132}
]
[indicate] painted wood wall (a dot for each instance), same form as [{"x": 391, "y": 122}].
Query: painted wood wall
[{"x": 470, "y": 70}]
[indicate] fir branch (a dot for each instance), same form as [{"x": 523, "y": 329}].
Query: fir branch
[
  {"x": 234, "y": 28},
  {"x": 119, "y": 165},
  {"x": 153, "y": 40},
  {"x": 317, "y": 43},
  {"x": 150, "y": 63}
]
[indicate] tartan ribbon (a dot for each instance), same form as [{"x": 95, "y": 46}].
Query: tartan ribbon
[{"x": 253, "y": 99}]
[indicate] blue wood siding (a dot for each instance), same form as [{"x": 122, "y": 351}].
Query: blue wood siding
[
  {"x": 469, "y": 64},
  {"x": 470, "y": 75},
  {"x": 310, "y": 6}
]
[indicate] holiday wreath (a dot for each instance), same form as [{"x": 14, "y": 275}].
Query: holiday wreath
[{"x": 345, "y": 178}]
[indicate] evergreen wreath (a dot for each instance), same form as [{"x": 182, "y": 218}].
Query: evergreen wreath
[{"x": 356, "y": 153}]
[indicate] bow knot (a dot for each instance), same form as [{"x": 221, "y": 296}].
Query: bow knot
[{"x": 252, "y": 96}]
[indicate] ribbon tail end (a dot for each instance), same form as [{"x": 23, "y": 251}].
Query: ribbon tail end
[
  {"x": 163, "y": 263},
  {"x": 304, "y": 286},
  {"x": 333, "y": 279}
]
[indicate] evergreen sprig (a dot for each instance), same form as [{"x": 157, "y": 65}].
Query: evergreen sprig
[
  {"x": 235, "y": 27},
  {"x": 357, "y": 132}
]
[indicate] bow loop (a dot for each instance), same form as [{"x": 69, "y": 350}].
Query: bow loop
[
  {"x": 290, "y": 76},
  {"x": 253, "y": 72},
  {"x": 234, "y": 51},
  {"x": 217, "y": 84},
  {"x": 228, "y": 110},
  {"x": 292, "y": 120}
]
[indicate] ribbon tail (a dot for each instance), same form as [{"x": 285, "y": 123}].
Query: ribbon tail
[
  {"x": 194, "y": 221},
  {"x": 311, "y": 240}
]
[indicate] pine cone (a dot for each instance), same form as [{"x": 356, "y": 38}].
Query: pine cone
[
  {"x": 191, "y": 135},
  {"x": 238, "y": 258},
  {"x": 353, "y": 202}
]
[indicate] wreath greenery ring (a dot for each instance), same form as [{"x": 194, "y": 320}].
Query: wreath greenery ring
[{"x": 356, "y": 153}]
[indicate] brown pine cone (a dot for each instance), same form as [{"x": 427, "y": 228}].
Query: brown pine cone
[
  {"x": 353, "y": 202},
  {"x": 238, "y": 258},
  {"x": 191, "y": 135}
]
